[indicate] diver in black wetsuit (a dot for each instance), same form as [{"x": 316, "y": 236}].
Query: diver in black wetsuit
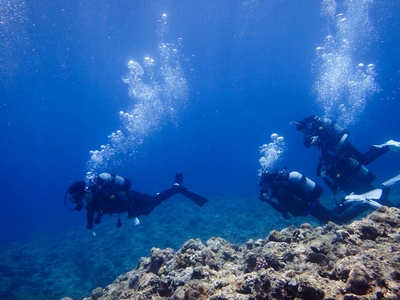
[
  {"x": 341, "y": 165},
  {"x": 298, "y": 195},
  {"x": 110, "y": 194},
  {"x": 328, "y": 136}
]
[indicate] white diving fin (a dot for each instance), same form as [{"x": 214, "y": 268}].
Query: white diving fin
[
  {"x": 367, "y": 197},
  {"x": 394, "y": 146},
  {"x": 391, "y": 181}
]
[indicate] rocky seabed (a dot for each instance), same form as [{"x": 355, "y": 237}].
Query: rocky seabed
[{"x": 356, "y": 261}]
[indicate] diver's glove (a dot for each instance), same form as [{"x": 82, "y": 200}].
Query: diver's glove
[
  {"x": 263, "y": 196},
  {"x": 313, "y": 139}
]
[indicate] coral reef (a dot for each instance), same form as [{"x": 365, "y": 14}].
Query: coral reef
[
  {"x": 75, "y": 261},
  {"x": 356, "y": 261}
]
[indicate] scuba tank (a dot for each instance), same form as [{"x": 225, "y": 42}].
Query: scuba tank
[
  {"x": 335, "y": 127},
  {"x": 306, "y": 184},
  {"x": 339, "y": 134},
  {"x": 358, "y": 170},
  {"x": 115, "y": 182}
]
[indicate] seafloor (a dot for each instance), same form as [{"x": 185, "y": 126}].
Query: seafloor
[{"x": 226, "y": 236}]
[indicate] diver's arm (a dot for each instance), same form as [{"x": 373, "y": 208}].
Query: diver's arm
[
  {"x": 321, "y": 172},
  {"x": 277, "y": 207},
  {"x": 307, "y": 140},
  {"x": 274, "y": 205}
]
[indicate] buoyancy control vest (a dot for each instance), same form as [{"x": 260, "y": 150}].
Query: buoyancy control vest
[{"x": 337, "y": 132}]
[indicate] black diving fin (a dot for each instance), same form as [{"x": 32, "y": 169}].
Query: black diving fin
[{"x": 196, "y": 198}]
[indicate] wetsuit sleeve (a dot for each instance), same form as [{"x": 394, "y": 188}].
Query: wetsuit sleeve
[
  {"x": 307, "y": 140},
  {"x": 277, "y": 207},
  {"x": 372, "y": 154}
]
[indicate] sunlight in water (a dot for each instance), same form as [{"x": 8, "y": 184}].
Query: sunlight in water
[
  {"x": 344, "y": 84},
  {"x": 157, "y": 90}
]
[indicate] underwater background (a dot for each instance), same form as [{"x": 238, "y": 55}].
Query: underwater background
[{"x": 145, "y": 89}]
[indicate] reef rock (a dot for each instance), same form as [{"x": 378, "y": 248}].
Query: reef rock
[{"x": 357, "y": 261}]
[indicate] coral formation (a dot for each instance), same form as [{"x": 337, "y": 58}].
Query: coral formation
[{"x": 356, "y": 261}]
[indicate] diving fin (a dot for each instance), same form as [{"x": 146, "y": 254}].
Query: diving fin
[
  {"x": 391, "y": 181},
  {"x": 196, "y": 198},
  {"x": 394, "y": 145},
  {"x": 178, "y": 179},
  {"x": 374, "y": 194},
  {"x": 367, "y": 197},
  {"x": 373, "y": 203}
]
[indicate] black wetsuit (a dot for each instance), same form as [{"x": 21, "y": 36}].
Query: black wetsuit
[
  {"x": 340, "y": 163},
  {"x": 116, "y": 202},
  {"x": 287, "y": 197}
]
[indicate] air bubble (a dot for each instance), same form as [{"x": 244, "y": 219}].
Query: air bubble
[
  {"x": 343, "y": 85},
  {"x": 156, "y": 93},
  {"x": 271, "y": 153}
]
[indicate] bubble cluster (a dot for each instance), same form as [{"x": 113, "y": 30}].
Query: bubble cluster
[
  {"x": 90, "y": 178},
  {"x": 328, "y": 9},
  {"x": 157, "y": 89},
  {"x": 271, "y": 153},
  {"x": 343, "y": 84}
]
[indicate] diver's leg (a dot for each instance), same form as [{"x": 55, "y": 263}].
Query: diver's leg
[
  {"x": 373, "y": 153},
  {"x": 353, "y": 212},
  {"x": 323, "y": 214}
]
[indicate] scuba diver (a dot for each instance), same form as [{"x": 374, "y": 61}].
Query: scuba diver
[
  {"x": 294, "y": 193},
  {"x": 109, "y": 194},
  {"x": 341, "y": 165},
  {"x": 342, "y": 172},
  {"x": 327, "y": 135}
]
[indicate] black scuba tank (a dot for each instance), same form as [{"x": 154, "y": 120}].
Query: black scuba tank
[{"x": 115, "y": 182}]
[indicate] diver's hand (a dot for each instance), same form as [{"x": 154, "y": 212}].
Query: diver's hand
[
  {"x": 314, "y": 139},
  {"x": 263, "y": 197}
]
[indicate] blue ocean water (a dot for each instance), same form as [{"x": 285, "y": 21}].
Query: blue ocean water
[{"x": 146, "y": 89}]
